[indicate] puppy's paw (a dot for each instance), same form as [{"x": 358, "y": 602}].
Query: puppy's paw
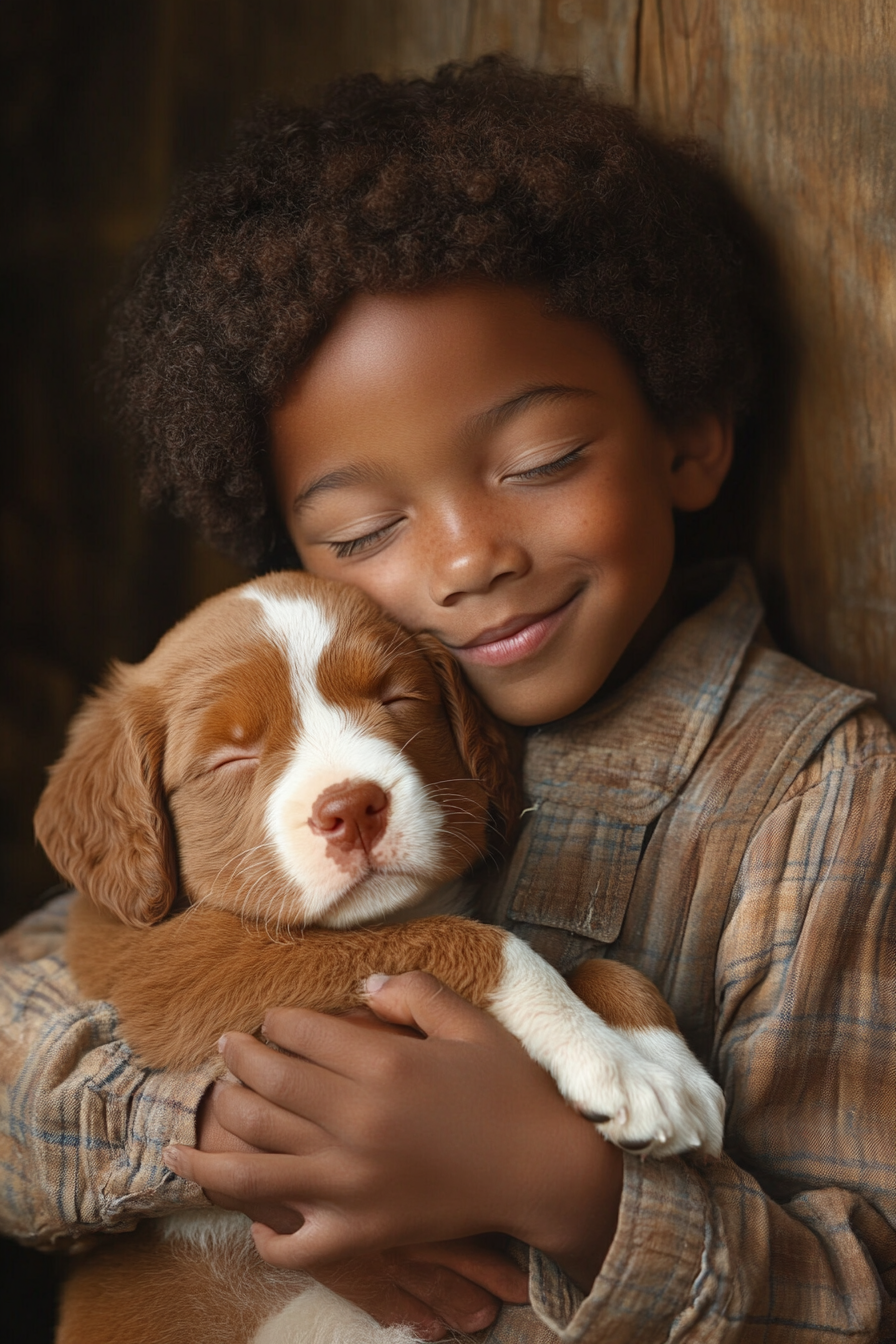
[
  {"x": 644, "y": 1091},
  {"x": 693, "y": 1101},
  {"x": 642, "y": 1087}
]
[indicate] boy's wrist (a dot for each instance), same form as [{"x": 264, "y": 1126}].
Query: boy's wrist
[{"x": 574, "y": 1216}]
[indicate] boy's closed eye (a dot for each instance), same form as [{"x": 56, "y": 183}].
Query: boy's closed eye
[
  {"x": 550, "y": 468},
  {"x": 346, "y": 547}
]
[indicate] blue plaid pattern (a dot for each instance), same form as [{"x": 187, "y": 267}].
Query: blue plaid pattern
[{"x": 82, "y": 1125}]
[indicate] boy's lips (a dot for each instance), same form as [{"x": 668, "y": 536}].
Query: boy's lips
[{"x": 508, "y": 643}]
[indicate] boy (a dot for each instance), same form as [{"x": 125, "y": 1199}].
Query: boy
[{"x": 471, "y": 344}]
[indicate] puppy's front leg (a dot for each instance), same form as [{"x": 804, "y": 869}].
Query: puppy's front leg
[{"x": 641, "y": 1085}]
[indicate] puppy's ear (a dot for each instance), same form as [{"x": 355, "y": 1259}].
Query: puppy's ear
[
  {"x": 101, "y": 817},
  {"x": 490, "y": 751}
]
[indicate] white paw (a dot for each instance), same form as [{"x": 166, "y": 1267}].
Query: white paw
[
  {"x": 646, "y": 1092},
  {"x": 643, "y": 1088}
]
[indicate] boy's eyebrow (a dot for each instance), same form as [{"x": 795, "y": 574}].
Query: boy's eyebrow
[
  {"x": 360, "y": 473},
  {"x": 522, "y": 401},
  {"x": 356, "y": 474}
]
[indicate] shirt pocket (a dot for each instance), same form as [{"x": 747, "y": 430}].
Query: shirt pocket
[{"x": 573, "y": 869}]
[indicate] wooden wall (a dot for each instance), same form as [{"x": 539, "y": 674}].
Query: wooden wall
[{"x": 105, "y": 103}]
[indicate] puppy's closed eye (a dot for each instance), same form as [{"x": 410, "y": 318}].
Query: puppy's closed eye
[
  {"x": 402, "y": 695},
  {"x": 232, "y": 759},
  {"x": 402, "y": 704}
]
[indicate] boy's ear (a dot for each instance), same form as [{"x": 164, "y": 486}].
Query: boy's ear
[
  {"x": 102, "y": 818},
  {"x": 702, "y": 453}
]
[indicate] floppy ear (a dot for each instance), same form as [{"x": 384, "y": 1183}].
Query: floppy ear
[
  {"x": 101, "y": 817},
  {"x": 489, "y": 751}
]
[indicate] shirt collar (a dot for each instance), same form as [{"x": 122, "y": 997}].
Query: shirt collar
[{"x": 639, "y": 746}]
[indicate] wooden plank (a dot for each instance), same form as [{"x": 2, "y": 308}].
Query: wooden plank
[
  {"x": 801, "y": 102},
  {"x": 597, "y": 36}
]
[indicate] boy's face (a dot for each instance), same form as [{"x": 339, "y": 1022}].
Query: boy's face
[{"x": 491, "y": 475}]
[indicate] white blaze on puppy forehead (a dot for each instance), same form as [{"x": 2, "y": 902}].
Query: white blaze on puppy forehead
[
  {"x": 332, "y": 748},
  {"x": 302, "y": 629}
]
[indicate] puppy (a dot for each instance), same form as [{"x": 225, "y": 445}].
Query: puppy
[{"x": 281, "y": 800}]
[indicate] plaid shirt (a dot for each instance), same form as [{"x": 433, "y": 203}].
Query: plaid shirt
[
  {"x": 724, "y": 822},
  {"x": 82, "y": 1125}
]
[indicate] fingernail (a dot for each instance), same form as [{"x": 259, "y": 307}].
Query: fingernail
[
  {"x": 222, "y": 1042},
  {"x": 374, "y": 983},
  {"x": 171, "y": 1157},
  {"x": 479, "y": 1320}
]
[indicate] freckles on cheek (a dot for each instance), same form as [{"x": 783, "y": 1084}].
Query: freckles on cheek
[
  {"x": 613, "y": 524},
  {"x": 637, "y": 532}
]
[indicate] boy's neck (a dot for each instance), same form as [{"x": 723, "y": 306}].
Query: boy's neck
[{"x": 687, "y": 590}]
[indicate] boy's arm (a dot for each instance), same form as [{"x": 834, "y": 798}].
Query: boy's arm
[
  {"x": 792, "y": 1236},
  {"x": 81, "y": 1126}
]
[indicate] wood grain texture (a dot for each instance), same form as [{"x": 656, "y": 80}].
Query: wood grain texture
[
  {"x": 107, "y": 105},
  {"x": 800, "y": 101}
]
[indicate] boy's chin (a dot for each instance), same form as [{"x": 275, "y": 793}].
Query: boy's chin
[{"x": 542, "y": 699}]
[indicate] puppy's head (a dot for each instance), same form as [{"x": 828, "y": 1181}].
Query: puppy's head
[{"x": 286, "y": 752}]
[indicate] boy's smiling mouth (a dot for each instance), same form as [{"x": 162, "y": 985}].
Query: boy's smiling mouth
[{"x": 500, "y": 645}]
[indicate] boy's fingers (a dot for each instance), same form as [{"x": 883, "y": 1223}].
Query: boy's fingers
[
  {"x": 363, "y": 1017},
  {"x": 414, "y": 1000},
  {"x": 245, "y": 1177},
  {"x": 453, "y": 1299},
  {"x": 212, "y": 1134},
  {"x": 261, "y": 1125},
  {"x": 321, "y": 1240},
  {"x": 332, "y": 1043},
  {"x": 457, "y": 1295},
  {"x": 298, "y": 1085},
  {"x": 277, "y": 1216},
  {"x": 370, "y": 1283},
  {"x": 419, "y": 1000},
  {"x": 274, "y": 1247},
  {"x": 290, "y": 1251},
  {"x": 474, "y": 1260}
]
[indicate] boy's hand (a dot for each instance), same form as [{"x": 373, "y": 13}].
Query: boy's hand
[
  {"x": 379, "y": 1141},
  {"x": 451, "y": 1285}
]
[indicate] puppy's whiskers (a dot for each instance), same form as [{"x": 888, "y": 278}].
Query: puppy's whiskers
[
  {"x": 235, "y": 861},
  {"x": 411, "y": 739}
]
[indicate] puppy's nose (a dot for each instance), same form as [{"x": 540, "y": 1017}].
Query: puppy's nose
[{"x": 350, "y": 815}]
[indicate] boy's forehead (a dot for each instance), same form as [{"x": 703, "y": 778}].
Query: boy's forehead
[
  {"x": 460, "y": 352},
  {"x": 455, "y": 322}
]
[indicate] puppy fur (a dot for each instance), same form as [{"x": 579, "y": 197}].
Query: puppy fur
[{"x": 253, "y": 817}]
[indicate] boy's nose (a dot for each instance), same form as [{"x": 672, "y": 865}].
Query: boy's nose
[{"x": 473, "y": 563}]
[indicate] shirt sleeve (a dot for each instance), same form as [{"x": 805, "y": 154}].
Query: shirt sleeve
[
  {"x": 82, "y": 1125},
  {"x": 791, "y": 1235}
]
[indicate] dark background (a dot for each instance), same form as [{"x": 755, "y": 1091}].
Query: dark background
[{"x": 105, "y": 104}]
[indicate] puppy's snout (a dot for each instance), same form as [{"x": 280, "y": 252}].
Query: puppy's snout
[{"x": 350, "y": 815}]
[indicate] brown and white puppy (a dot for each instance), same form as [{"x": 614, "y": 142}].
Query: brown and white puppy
[{"x": 281, "y": 800}]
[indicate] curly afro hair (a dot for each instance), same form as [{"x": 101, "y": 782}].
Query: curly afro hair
[{"x": 486, "y": 169}]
